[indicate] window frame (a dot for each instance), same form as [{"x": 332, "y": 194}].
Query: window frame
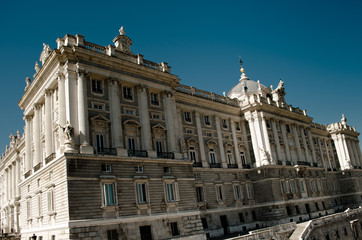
[
  {"x": 144, "y": 192},
  {"x": 97, "y": 87},
  {"x": 171, "y": 191},
  {"x": 128, "y": 93},
  {"x": 106, "y": 194}
]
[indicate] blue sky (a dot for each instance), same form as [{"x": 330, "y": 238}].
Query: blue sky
[{"x": 314, "y": 46}]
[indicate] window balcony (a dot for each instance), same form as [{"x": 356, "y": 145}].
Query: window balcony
[
  {"x": 106, "y": 151},
  {"x": 288, "y": 163},
  {"x": 232, "y": 166},
  {"x": 247, "y": 166},
  {"x": 215, "y": 165},
  {"x": 170, "y": 155},
  {"x": 303, "y": 163},
  {"x": 197, "y": 164},
  {"x": 137, "y": 153}
]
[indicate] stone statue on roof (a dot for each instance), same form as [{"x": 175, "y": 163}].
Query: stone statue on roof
[{"x": 45, "y": 53}]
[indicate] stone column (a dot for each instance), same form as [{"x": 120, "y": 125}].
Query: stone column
[
  {"x": 10, "y": 182},
  {"x": 254, "y": 140},
  {"x": 37, "y": 135},
  {"x": 351, "y": 153},
  {"x": 83, "y": 122},
  {"x": 236, "y": 145},
  {"x": 48, "y": 123},
  {"x": 297, "y": 143},
  {"x": 28, "y": 144},
  {"x": 245, "y": 136},
  {"x": 358, "y": 152},
  {"x": 116, "y": 122},
  {"x": 266, "y": 141},
  {"x": 201, "y": 140},
  {"x": 329, "y": 165},
  {"x": 145, "y": 121},
  {"x": 170, "y": 117},
  {"x": 314, "y": 158},
  {"x": 340, "y": 152},
  {"x": 306, "y": 152},
  {"x": 286, "y": 142},
  {"x": 17, "y": 177},
  {"x": 322, "y": 155},
  {"x": 7, "y": 197},
  {"x": 277, "y": 143},
  {"x": 220, "y": 142},
  {"x": 347, "y": 155},
  {"x": 61, "y": 109}
]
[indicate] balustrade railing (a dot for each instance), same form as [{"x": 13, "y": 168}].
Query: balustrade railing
[
  {"x": 137, "y": 153},
  {"x": 170, "y": 155},
  {"x": 106, "y": 151}
]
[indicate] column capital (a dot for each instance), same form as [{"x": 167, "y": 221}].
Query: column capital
[
  {"x": 142, "y": 88},
  {"x": 37, "y": 106},
  {"x": 169, "y": 94},
  {"x": 48, "y": 92},
  {"x": 27, "y": 117},
  {"x": 114, "y": 81},
  {"x": 81, "y": 73},
  {"x": 60, "y": 76}
]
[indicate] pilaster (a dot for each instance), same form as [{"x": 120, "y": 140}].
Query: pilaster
[
  {"x": 236, "y": 145},
  {"x": 201, "y": 140},
  {"x": 276, "y": 139},
  {"x": 48, "y": 123},
  {"x": 37, "y": 135},
  {"x": 220, "y": 142}
]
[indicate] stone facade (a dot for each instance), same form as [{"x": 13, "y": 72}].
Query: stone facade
[{"x": 114, "y": 147}]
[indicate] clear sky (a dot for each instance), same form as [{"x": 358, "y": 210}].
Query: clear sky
[{"x": 314, "y": 46}]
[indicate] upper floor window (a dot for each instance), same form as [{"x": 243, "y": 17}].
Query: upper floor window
[
  {"x": 238, "y": 192},
  {"x": 97, "y": 86},
  {"x": 212, "y": 155},
  {"x": 51, "y": 207},
  {"x": 171, "y": 189},
  {"x": 200, "y": 194},
  {"x": 106, "y": 168},
  {"x": 142, "y": 194},
  {"x": 288, "y": 128},
  {"x": 100, "y": 143},
  {"x": 139, "y": 169},
  {"x": 219, "y": 193},
  {"x": 229, "y": 156},
  {"x": 250, "y": 190},
  {"x": 242, "y": 157},
  {"x": 237, "y": 126},
  {"x": 98, "y": 106},
  {"x": 154, "y": 97},
  {"x": 109, "y": 194},
  {"x": 187, "y": 116},
  {"x": 207, "y": 120},
  {"x": 224, "y": 123},
  {"x": 192, "y": 153},
  {"x": 268, "y": 124},
  {"x": 128, "y": 93}
]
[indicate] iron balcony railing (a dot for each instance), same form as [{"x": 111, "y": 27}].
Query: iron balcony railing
[
  {"x": 232, "y": 166},
  {"x": 170, "y": 155},
  {"x": 137, "y": 153},
  {"x": 106, "y": 151},
  {"x": 197, "y": 164},
  {"x": 215, "y": 165}
]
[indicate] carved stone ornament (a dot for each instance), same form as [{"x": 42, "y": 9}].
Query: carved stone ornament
[
  {"x": 37, "y": 67},
  {"x": 45, "y": 53},
  {"x": 68, "y": 131},
  {"x": 122, "y": 42},
  {"x": 28, "y": 82}
]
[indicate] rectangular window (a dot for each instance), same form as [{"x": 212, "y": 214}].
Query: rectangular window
[
  {"x": 51, "y": 207},
  {"x": 301, "y": 185},
  {"x": 219, "y": 193},
  {"x": 204, "y": 223},
  {"x": 98, "y": 106},
  {"x": 159, "y": 148},
  {"x": 28, "y": 208},
  {"x": 109, "y": 193},
  {"x": 200, "y": 194},
  {"x": 112, "y": 234},
  {"x": 139, "y": 169},
  {"x": 142, "y": 193},
  {"x": 238, "y": 192},
  {"x": 187, "y": 116},
  {"x": 171, "y": 192},
  {"x": 131, "y": 145},
  {"x": 243, "y": 160},
  {"x": 212, "y": 156},
  {"x": 285, "y": 186},
  {"x": 100, "y": 143},
  {"x": 39, "y": 205},
  {"x": 192, "y": 153},
  {"x": 166, "y": 170},
  {"x": 129, "y": 111},
  {"x": 288, "y": 128},
  {"x": 229, "y": 156},
  {"x": 313, "y": 186},
  {"x": 293, "y": 186},
  {"x": 174, "y": 229},
  {"x": 237, "y": 126},
  {"x": 106, "y": 168},
  {"x": 207, "y": 120},
  {"x": 97, "y": 86},
  {"x": 224, "y": 123},
  {"x": 127, "y": 93},
  {"x": 250, "y": 190},
  {"x": 154, "y": 99},
  {"x": 241, "y": 218}
]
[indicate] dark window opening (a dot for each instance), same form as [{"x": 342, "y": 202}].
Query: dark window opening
[
  {"x": 204, "y": 223},
  {"x": 174, "y": 229},
  {"x": 145, "y": 232},
  {"x": 112, "y": 234},
  {"x": 241, "y": 217}
]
